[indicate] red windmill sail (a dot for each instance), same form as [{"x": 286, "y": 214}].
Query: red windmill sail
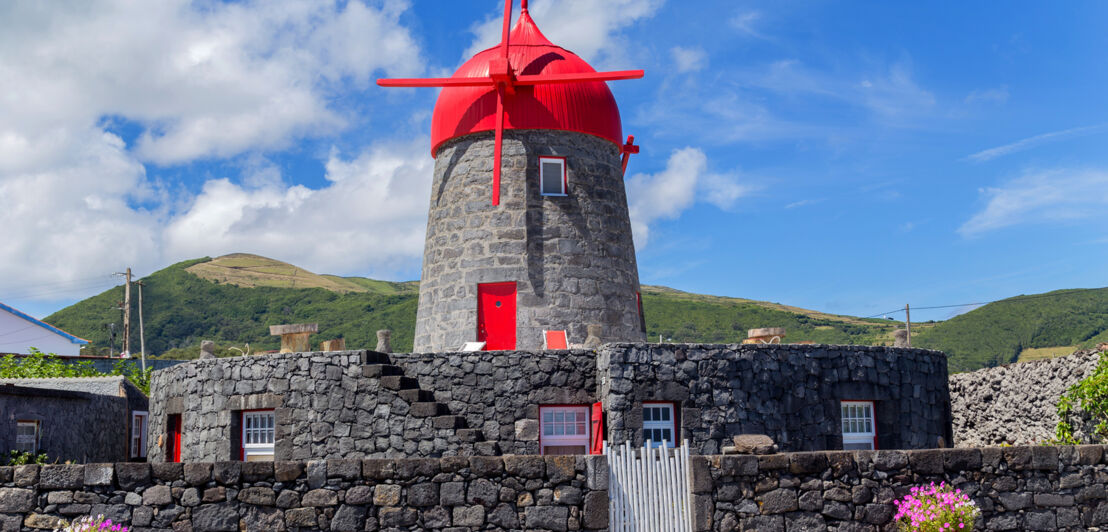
[{"x": 503, "y": 78}]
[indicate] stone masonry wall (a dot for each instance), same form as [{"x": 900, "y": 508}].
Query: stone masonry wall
[
  {"x": 1016, "y": 488},
  {"x": 789, "y": 392},
  {"x": 571, "y": 257},
  {"x": 345, "y": 404},
  {"x": 500, "y": 392},
  {"x": 1014, "y": 404},
  {"x": 456, "y": 494},
  {"x": 81, "y": 427}
]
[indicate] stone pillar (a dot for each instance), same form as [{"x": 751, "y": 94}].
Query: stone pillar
[
  {"x": 593, "y": 341},
  {"x": 333, "y": 345},
  {"x": 900, "y": 338},
  {"x": 207, "y": 349},
  {"x": 294, "y": 337},
  {"x": 384, "y": 341}
]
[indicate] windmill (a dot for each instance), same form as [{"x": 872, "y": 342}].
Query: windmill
[{"x": 505, "y": 78}]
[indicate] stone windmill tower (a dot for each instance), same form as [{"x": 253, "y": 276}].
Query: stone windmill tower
[{"x": 537, "y": 127}]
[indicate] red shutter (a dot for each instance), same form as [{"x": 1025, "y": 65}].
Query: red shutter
[{"x": 597, "y": 435}]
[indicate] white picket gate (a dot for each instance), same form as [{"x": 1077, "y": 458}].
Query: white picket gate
[{"x": 648, "y": 489}]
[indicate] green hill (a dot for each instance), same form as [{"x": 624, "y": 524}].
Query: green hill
[
  {"x": 234, "y": 299},
  {"x": 998, "y": 332}
]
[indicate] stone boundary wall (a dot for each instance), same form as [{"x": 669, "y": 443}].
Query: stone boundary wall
[
  {"x": 1017, "y": 488},
  {"x": 791, "y": 393},
  {"x": 1014, "y": 404},
  {"x": 454, "y": 493}
]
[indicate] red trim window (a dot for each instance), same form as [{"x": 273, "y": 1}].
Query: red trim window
[
  {"x": 564, "y": 429},
  {"x": 138, "y": 434},
  {"x": 659, "y": 424},
  {"x": 257, "y": 435},
  {"x": 27, "y": 436},
  {"x": 859, "y": 427},
  {"x": 553, "y": 176},
  {"x": 173, "y": 438}
]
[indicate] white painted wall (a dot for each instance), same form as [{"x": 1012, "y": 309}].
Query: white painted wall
[{"x": 18, "y": 335}]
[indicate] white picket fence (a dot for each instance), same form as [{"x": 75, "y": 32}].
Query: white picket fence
[{"x": 648, "y": 489}]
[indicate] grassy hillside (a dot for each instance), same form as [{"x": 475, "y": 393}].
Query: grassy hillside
[
  {"x": 234, "y": 299},
  {"x": 998, "y": 332},
  {"x": 181, "y": 309}
]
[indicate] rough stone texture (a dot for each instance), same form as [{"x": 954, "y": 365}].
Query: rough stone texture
[
  {"x": 572, "y": 257},
  {"x": 1014, "y": 404},
  {"x": 419, "y": 494},
  {"x": 365, "y": 404},
  {"x": 790, "y": 393},
  {"x": 81, "y": 419},
  {"x": 1062, "y": 492}
]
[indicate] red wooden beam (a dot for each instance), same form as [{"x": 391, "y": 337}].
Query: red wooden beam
[
  {"x": 627, "y": 149},
  {"x": 537, "y": 79},
  {"x": 435, "y": 82}
]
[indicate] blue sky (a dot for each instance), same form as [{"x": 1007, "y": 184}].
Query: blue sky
[{"x": 848, "y": 158}]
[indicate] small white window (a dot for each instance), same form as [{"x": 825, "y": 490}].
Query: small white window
[
  {"x": 27, "y": 436},
  {"x": 257, "y": 436},
  {"x": 859, "y": 431},
  {"x": 565, "y": 429},
  {"x": 552, "y": 175},
  {"x": 138, "y": 434},
  {"x": 658, "y": 424}
]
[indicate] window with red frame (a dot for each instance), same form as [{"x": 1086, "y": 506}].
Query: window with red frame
[{"x": 564, "y": 429}]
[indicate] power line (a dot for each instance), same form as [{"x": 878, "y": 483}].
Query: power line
[{"x": 1016, "y": 299}]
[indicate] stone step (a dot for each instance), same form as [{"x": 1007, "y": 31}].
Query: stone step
[
  {"x": 399, "y": 382},
  {"x": 470, "y": 435},
  {"x": 448, "y": 422},
  {"x": 429, "y": 409},
  {"x": 416, "y": 395},
  {"x": 486, "y": 448},
  {"x": 373, "y": 357},
  {"x": 381, "y": 370}
]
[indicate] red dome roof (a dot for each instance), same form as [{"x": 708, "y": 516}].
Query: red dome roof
[{"x": 586, "y": 107}]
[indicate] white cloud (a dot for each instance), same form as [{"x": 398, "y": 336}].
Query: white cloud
[
  {"x": 689, "y": 59},
  {"x": 1031, "y": 142},
  {"x": 684, "y": 181},
  {"x": 745, "y": 22},
  {"x": 588, "y": 28},
  {"x": 373, "y": 212},
  {"x": 191, "y": 81},
  {"x": 994, "y": 95},
  {"x": 1050, "y": 196}
]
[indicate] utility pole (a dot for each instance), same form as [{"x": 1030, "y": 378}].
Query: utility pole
[
  {"x": 908, "y": 324},
  {"x": 142, "y": 337},
  {"x": 126, "y": 352}
]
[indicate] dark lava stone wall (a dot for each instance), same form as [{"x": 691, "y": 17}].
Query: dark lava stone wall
[
  {"x": 500, "y": 392},
  {"x": 572, "y": 257},
  {"x": 789, "y": 392}
]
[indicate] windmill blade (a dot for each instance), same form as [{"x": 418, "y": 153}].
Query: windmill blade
[
  {"x": 507, "y": 27},
  {"x": 498, "y": 144},
  {"x": 435, "y": 82},
  {"x": 542, "y": 79}
]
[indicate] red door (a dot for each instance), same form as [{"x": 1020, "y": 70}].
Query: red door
[
  {"x": 496, "y": 315},
  {"x": 173, "y": 445}
]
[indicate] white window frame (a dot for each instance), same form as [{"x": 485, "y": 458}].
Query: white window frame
[
  {"x": 859, "y": 425},
  {"x": 549, "y": 419},
  {"x": 258, "y": 435},
  {"x": 658, "y": 412},
  {"x": 21, "y": 440},
  {"x": 542, "y": 173},
  {"x": 139, "y": 425}
]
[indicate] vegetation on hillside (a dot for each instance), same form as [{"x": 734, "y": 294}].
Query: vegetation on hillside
[
  {"x": 233, "y": 300},
  {"x": 996, "y": 333},
  {"x": 1083, "y": 409}
]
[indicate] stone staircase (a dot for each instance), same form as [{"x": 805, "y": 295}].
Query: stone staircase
[{"x": 422, "y": 404}]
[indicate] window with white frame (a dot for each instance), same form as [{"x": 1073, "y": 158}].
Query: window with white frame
[
  {"x": 859, "y": 430},
  {"x": 138, "y": 434},
  {"x": 658, "y": 425},
  {"x": 27, "y": 436},
  {"x": 257, "y": 436},
  {"x": 564, "y": 429},
  {"x": 553, "y": 178}
]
